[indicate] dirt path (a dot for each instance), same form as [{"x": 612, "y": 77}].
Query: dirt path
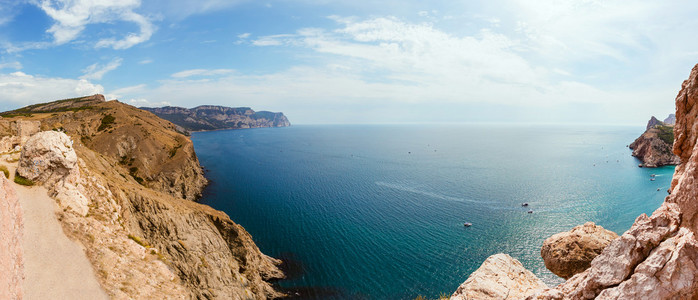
[{"x": 54, "y": 266}]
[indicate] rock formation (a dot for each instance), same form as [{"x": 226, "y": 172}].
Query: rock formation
[
  {"x": 139, "y": 228},
  {"x": 654, "y": 146},
  {"x": 49, "y": 158},
  {"x": 499, "y": 277},
  {"x": 11, "y": 261},
  {"x": 571, "y": 252},
  {"x": 21, "y": 131},
  {"x": 211, "y": 117}
]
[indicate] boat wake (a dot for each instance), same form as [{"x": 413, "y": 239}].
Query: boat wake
[{"x": 425, "y": 193}]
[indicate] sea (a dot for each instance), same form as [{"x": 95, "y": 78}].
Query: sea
[{"x": 378, "y": 211}]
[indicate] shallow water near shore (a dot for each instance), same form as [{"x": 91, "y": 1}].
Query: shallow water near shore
[{"x": 377, "y": 211}]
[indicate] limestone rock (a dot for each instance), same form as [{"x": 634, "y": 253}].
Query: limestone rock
[
  {"x": 48, "y": 158},
  {"x": 11, "y": 261},
  {"x": 17, "y": 133},
  {"x": 499, "y": 277},
  {"x": 571, "y": 252}
]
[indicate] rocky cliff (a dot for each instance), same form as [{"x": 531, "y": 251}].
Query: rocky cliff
[
  {"x": 654, "y": 146},
  {"x": 657, "y": 258},
  {"x": 124, "y": 179},
  {"x": 210, "y": 117}
]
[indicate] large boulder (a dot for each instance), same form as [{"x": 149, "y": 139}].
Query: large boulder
[
  {"x": 571, "y": 252},
  {"x": 499, "y": 277},
  {"x": 48, "y": 158}
]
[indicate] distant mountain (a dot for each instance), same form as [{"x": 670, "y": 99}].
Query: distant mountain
[
  {"x": 670, "y": 120},
  {"x": 211, "y": 117}
]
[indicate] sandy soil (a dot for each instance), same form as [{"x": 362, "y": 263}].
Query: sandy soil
[{"x": 54, "y": 266}]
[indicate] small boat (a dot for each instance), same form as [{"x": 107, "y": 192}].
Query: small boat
[
  {"x": 524, "y": 204},
  {"x": 530, "y": 211},
  {"x": 651, "y": 179},
  {"x": 467, "y": 224},
  {"x": 657, "y": 190},
  {"x": 653, "y": 175}
]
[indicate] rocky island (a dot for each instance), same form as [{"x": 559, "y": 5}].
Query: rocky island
[
  {"x": 211, "y": 117},
  {"x": 654, "y": 146},
  {"x": 655, "y": 259},
  {"x": 122, "y": 183}
]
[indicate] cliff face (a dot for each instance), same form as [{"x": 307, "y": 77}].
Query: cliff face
[
  {"x": 654, "y": 147},
  {"x": 144, "y": 237},
  {"x": 210, "y": 117}
]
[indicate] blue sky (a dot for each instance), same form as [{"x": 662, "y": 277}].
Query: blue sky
[{"x": 322, "y": 61}]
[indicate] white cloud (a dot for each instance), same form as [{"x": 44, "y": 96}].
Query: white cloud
[
  {"x": 144, "y": 102},
  {"x": 180, "y": 9},
  {"x": 201, "y": 72},
  {"x": 11, "y": 65},
  {"x": 96, "y": 71},
  {"x": 72, "y": 16},
  {"x": 145, "y": 61},
  {"x": 244, "y": 35},
  {"x": 275, "y": 40},
  {"x": 389, "y": 64},
  {"x": 19, "y": 89}
]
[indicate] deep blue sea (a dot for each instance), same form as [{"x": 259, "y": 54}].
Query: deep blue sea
[{"x": 377, "y": 211}]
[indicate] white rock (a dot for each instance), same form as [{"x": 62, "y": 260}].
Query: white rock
[
  {"x": 499, "y": 277},
  {"x": 48, "y": 158}
]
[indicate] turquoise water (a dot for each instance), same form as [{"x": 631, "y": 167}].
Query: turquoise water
[{"x": 377, "y": 212}]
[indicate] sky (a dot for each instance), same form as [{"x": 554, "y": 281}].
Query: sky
[{"x": 327, "y": 62}]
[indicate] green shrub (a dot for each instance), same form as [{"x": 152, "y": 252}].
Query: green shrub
[
  {"x": 666, "y": 133},
  {"x": 132, "y": 171},
  {"x": 5, "y": 171},
  {"x": 106, "y": 122},
  {"x": 23, "y": 181}
]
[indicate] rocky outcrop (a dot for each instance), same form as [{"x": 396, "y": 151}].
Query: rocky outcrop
[
  {"x": 141, "y": 231},
  {"x": 211, "y": 117},
  {"x": 11, "y": 261},
  {"x": 20, "y": 131},
  {"x": 499, "y": 277},
  {"x": 652, "y": 122},
  {"x": 654, "y": 146},
  {"x": 657, "y": 257},
  {"x": 571, "y": 252},
  {"x": 49, "y": 158}
]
